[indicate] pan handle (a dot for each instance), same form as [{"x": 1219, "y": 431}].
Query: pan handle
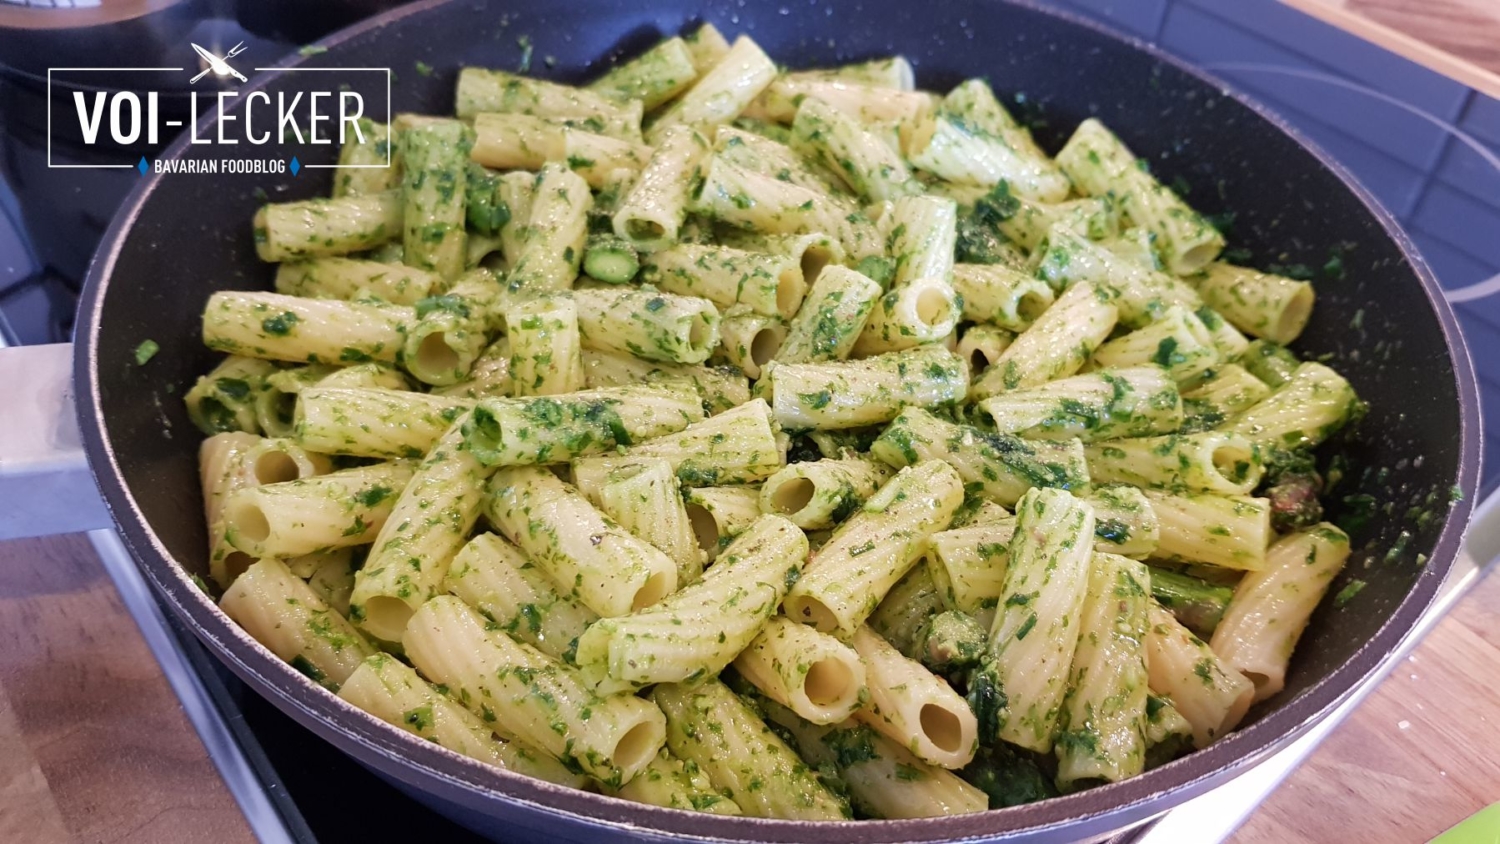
[{"x": 45, "y": 483}]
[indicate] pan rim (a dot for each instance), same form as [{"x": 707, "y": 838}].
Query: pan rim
[{"x": 419, "y": 763}]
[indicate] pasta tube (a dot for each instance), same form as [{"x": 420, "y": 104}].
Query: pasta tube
[
  {"x": 1302, "y": 413},
  {"x": 649, "y": 325},
  {"x": 556, "y": 429},
  {"x": 653, "y": 77},
  {"x": 885, "y": 780},
  {"x": 1100, "y": 165},
  {"x": 921, "y": 305},
  {"x": 481, "y": 90},
  {"x": 870, "y": 103},
  {"x": 516, "y": 141},
  {"x": 722, "y": 388},
  {"x": 1210, "y": 693},
  {"x": 493, "y": 576},
  {"x": 369, "y": 162},
  {"x": 347, "y": 278},
  {"x": 1168, "y": 734},
  {"x": 737, "y": 446},
  {"x": 276, "y": 327},
  {"x": 697, "y": 631},
  {"x": 913, "y": 707},
  {"x": 719, "y": 95},
  {"x": 1178, "y": 342},
  {"x": 1125, "y": 523},
  {"x": 750, "y": 340},
  {"x": 599, "y": 563},
  {"x": 1036, "y": 628},
  {"x": 902, "y": 617},
  {"x": 719, "y": 514},
  {"x": 233, "y": 461},
  {"x": 283, "y": 613},
  {"x": 552, "y": 247},
  {"x": 831, "y": 318},
  {"x": 433, "y": 182},
  {"x": 296, "y": 517},
  {"x": 1230, "y": 531},
  {"x": 1227, "y": 339},
  {"x": 747, "y": 198},
  {"x": 369, "y": 422},
  {"x": 825, "y": 134},
  {"x": 1003, "y": 466},
  {"x": 972, "y": 139},
  {"x": 1227, "y": 392},
  {"x": 1094, "y": 218},
  {"x": 1106, "y": 404},
  {"x": 524, "y": 694},
  {"x": 227, "y": 399},
  {"x": 489, "y": 376},
  {"x": 1057, "y": 345},
  {"x": 1226, "y": 464},
  {"x": 1271, "y": 362},
  {"x": 968, "y": 566},
  {"x": 644, "y": 498},
  {"x": 818, "y": 677},
  {"x": 1271, "y": 607},
  {"x": 853, "y": 571},
  {"x": 546, "y": 352},
  {"x": 670, "y": 782},
  {"x": 391, "y": 691},
  {"x": 851, "y": 394},
  {"x": 429, "y": 523},
  {"x": 709, "y": 726},
  {"x": 220, "y": 472},
  {"x": 820, "y": 494},
  {"x": 517, "y": 190},
  {"x": 443, "y": 343},
  {"x": 1141, "y": 293},
  {"x": 1103, "y": 719},
  {"x": 651, "y": 215},
  {"x": 769, "y": 284},
  {"x": 707, "y": 45},
  {"x": 999, "y": 295},
  {"x": 311, "y": 228},
  {"x": 893, "y": 73}
]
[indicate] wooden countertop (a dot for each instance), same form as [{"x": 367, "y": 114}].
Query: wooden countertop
[{"x": 94, "y": 747}]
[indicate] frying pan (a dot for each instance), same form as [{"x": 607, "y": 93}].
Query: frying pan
[{"x": 1380, "y": 320}]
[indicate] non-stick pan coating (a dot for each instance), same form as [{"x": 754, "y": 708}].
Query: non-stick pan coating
[{"x": 1380, "y": 320}]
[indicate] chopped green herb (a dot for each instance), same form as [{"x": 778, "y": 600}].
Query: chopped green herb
[{"x": 146, "y": 351}]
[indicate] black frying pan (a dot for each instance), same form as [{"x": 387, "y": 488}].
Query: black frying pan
[{"x": 1382, "y": 322}]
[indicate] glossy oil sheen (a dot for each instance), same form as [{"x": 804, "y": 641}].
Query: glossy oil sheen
[{"x": 1382, "y": 324}]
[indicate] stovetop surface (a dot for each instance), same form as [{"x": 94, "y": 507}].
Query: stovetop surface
[{"x": 1428, "y": 147}]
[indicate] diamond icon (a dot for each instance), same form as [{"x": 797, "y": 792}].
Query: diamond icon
[
  {"x": 143, "y": 166},
  {"x": 295, "y": 165}
]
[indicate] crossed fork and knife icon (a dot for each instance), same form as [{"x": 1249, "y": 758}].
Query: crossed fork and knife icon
[{"x": 219, "y": 66}]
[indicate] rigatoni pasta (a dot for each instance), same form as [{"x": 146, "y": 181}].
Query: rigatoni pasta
[
  {"x": 850, "y": 574},
  {"x": 524, "y": 693},
  {"x": 754, "y": 360},
  {"x": 1036, "y": 627},
  {"x": 589, "y": 555},
  {"x": 698, "y": 630},
  {"x": 815, "y": 675},
  {"x": 283, "y": 613},
  {"x": 1271, "y": 607}
]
